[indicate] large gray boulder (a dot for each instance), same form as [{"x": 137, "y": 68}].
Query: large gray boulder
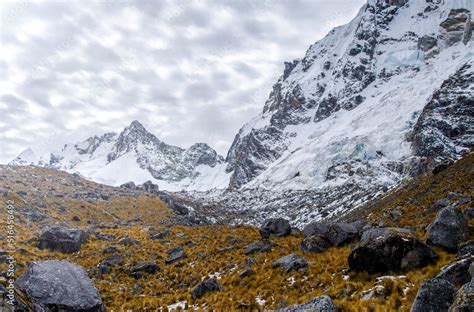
[
  {"x": 58, "y": 285},
  {"x": 314, "y": 243},
  {"x": 341, "y": 233},
  {"x": 448, "y": 229},
  {"x": 318, "y": 304},
  {"x": 61, "y": 238},
  {"x": 383, "y": 250},
  {"x": 292, "y": 262},
  {"x": 457, "y": 273},
  {"x": 275, "y": 227},
  {"x": 316, "y": 228},
  {"x": 434, "y": 295}
]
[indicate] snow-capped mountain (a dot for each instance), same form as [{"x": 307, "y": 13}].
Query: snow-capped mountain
[
  {"x": 348, "y": 110},
  {"x": 136, "y": 155}
]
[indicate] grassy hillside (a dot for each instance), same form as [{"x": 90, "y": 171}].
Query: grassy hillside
[{"x": 218, "y": 250}]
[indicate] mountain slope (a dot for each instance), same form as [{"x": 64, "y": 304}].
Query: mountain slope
[
  {"x": 135, "y": 155},
  {"x": 344, "y": 112}
]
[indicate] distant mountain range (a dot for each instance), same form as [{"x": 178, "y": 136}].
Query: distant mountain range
[{"x": 135, "y": 155}]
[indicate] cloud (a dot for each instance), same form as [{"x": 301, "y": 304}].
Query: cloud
[{"x": 191, "y": 71}]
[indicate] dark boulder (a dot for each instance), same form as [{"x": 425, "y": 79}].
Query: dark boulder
[
  {"x": 55, "y": 285},
  {"x": 258, "y": 246},
  {"x": 208, "y": 285},
  {"x": 140, "y": 270},
  {"x": 316, "y": 228},
  {"x": 275, "y": 227},
  {"x": 448, "y": 229},
  {"x": 434, "y": 295},
  {"x": 292, "y": 262},
  {"x": 341, "y": 233},
  {"x": 457, "y": 273},
  {"x": 389, "y": 249},
  {"x": 318, "y": 304},
  {"x": 150, "y": 187},
  {"x": 61, "y": 238},
  {"x": 175, "y": 254},
  {"x": 314, "y": 243}
]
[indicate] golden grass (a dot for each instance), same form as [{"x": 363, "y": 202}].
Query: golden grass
[{"x": 328, "y": 273}]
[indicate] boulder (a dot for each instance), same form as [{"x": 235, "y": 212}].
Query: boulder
[
  {"x": 129, "y": 185},
  {"x": 56, "y": 285},
  {"x": 434, "y": 295},
  {"x": 457, "y": 273},
  {"x": 316, "y": 228},
  {"x": 318, "y": 304},
  {"x": 389, "y": 249},
  {"x": 466, "y": 249},
  {"x": 341, "y": 233},
  {"x": 61, "y": 238},
  {"x": 275, "y": 227},
  {"x": 258, "y": 246},
  {"x": 292, "y": 262},
  {"x": 314, "y": 243},
  {"x": 175, "y": 254},
  {"x": 448, "y": 229},
  {"x": 426, "y": 43},
  {"x": 208, "y": 285},
  {"x": 140, "y": 270},
  {"x": 128, "y": 241},
  {"x": 150, "y": 187},
  {"x": 464, "y": 300}
]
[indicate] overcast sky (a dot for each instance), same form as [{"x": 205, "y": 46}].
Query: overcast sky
[{"x": 190, "y": 71}]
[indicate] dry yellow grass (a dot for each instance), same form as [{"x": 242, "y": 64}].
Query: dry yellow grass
[{"x": 327, "y": 274}]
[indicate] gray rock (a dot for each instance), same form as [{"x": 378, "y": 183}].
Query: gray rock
[
  {"x": 456, "y": 28},
  {"x": 389, "y": 249},
  {"x": 448, "y": 229},
  {"x": 466, "y": 249},
  {"x": 457, "y": 273},
  {"x": 128, "y": 241},
  {"x": 208, "y": 285},
  {"x": 175, "y": 254},
  {"x": 291, "y": 262},
  {"x": 341, "y": 233},
  {"x": 316, "y": 228},
  {"x": 113, "y": 260},
  {"x": 61, "y": 238},
  {"x": 439, "y": 204},
  {"x": 150, "y": 187},
  {"x": 314, "y": 243},
  {"x": 57, "y": 285},
  {"x": 434, "y": 295},
  {"x": 464, "y": 300},
  {"x": 246, "y": 272},
  {"x": 426, "y": 43},
  {"x": 318, "y": 304},
  {"x": 129, "y": 185},
  {"x": 275, "y": 227},
  {"x": 140, "y": 270},
  {"x": 258, "y": 246}
]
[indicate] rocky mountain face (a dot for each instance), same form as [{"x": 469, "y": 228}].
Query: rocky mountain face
[
  {"x": 361, "y": 77},
  {"x": 134, "y": 154}
]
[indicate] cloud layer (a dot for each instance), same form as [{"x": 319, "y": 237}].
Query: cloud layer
[{"x": 190, "y": 71}]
